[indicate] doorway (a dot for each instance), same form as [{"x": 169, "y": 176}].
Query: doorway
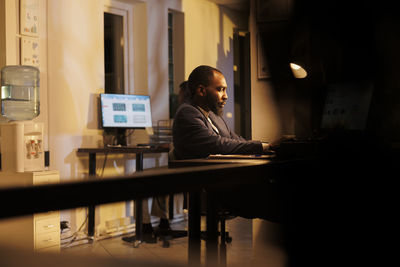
[
  {"x": 242, "y": 83},
  {"x": 114, "y": 53}
]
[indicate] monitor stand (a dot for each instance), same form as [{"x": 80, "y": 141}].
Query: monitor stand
[{"x": 119, "y": 136}]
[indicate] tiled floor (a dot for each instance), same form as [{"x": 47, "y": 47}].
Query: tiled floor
[{"x": 239, "y": 251}]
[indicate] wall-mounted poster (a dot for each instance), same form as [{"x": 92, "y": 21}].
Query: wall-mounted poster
[
  {"x": 30, "y": 51},
  {"x": 29, "y": 17}
]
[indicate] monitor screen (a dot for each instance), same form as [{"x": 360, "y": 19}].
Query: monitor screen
[{"x": 125, "y": 111}]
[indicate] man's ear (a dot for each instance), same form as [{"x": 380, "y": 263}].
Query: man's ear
[{"x": 201, "y": 90}]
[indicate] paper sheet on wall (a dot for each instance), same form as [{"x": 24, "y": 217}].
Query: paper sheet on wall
[
  {"x": 29, "y": 17},
  {"x": 30, "y": 51}
]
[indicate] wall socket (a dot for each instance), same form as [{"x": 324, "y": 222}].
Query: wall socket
[{"x": 64, "y": 225}]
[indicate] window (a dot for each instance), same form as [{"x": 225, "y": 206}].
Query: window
[
  {"x": 118, "y": 47},
  {"x": 114, "y": 54}
]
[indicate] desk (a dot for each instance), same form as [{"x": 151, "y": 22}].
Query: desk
[
  {"x": 337, "y": 190},
  {"x": 139, "y": 151},
  {"x": 211, "y": 211},
  {"x": 147, "y": 183}
]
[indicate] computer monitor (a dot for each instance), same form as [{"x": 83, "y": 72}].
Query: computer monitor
[
  {"x": 120, "y": 112},
  {"x": 125, "y": 111}
]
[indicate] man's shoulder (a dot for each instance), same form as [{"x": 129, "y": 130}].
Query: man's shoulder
[
  {"x": 186, "y": 108},
  {"x": 186, "y": 105}
]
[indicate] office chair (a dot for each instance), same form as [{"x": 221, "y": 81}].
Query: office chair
[{"x": 222, "y": 215}]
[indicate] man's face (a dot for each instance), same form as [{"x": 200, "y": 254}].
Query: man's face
[{"x": 216, "y": 96}]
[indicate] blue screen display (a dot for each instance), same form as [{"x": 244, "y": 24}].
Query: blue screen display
[{"x": 125, "y": 111}]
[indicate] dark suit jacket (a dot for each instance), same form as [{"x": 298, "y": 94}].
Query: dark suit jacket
[{"x": 194, "y": 137}]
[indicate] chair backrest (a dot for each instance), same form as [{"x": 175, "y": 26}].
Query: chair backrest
[{"x": 171, "y": 153}]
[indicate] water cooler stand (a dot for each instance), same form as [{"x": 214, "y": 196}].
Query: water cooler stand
[{"x": 22, "y": 146}]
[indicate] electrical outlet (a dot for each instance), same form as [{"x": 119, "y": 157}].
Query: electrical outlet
[{"x": 64, "y": 225}]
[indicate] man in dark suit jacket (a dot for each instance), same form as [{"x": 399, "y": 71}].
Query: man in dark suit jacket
[{"x": 199, "y": 129}]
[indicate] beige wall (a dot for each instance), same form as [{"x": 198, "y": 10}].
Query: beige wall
[
  {"x": 2, "y": 33},
  {"x": 264, "y": 111},
  {"x": 9, "y": 53},
  {"x": 209, "y": 41},
  {"x": 10, "y": 50},
  {"x": 76, "y": 73},
  {"x": 265, "y": 123},
  {"x": 74, "y": 76}
]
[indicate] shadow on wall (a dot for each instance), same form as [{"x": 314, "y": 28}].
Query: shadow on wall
[
  {"x": 225, "y": 63},
  {"x": 78, "y": 163},
  {"x": 93, "y": 113}
]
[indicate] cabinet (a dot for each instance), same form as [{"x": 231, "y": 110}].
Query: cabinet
[{"x": 39, "y": 232}]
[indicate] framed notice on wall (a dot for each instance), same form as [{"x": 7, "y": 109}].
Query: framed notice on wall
[
  {"x": 29, "y": 17},
  {"x": 30, "y": 51}
]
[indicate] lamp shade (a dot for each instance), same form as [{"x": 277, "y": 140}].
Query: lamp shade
[{"x": 299, "y": 72}]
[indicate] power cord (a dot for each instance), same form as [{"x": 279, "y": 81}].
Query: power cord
[
  {"x": 130, "y": 133},
  {"x": 74, "y": 235},
  {"x": 104, "y": 164}
]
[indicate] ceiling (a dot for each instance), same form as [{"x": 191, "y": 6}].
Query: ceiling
[{"x": 239, "y": 5}]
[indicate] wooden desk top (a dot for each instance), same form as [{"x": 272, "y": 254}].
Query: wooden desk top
[
  {"x": 127, "y": 149},
  {"x": 214, "y": 161}
]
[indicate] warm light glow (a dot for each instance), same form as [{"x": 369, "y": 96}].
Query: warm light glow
[
  {"x": 294, "y": 66},
  {"x": 298, "y": 71}
]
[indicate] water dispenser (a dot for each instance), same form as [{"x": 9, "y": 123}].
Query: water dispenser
[
  {"x": 20, "y": 92},
  {"x": 21, "y": 138}
]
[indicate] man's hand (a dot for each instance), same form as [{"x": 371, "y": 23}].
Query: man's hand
[
  {"x": 269, "y": 148},
  {"x": 266, "y": 147}
]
